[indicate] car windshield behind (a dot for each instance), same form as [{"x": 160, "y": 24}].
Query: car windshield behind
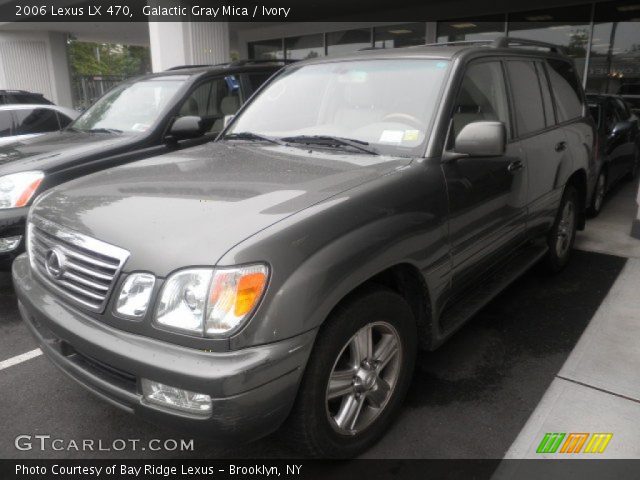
[
  {"x": 386, "y": 105},
  {"x": 130, "y": 107}
]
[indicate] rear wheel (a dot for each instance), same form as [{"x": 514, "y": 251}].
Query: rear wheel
[
  {"x": 356, "y": 378},
  {"x": 599, "y": 194},
  {"x": 563, "y": 233}
]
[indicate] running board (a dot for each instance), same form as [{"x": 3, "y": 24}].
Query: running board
[{"x": 468, "y": 305}]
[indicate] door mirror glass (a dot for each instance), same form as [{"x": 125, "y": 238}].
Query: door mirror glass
[
  {"x": 481, "y": 139},
  {"x": 185, "y": 127}
]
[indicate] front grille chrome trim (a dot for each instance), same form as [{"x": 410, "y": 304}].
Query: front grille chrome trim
[{"x": 92, "y": 266}]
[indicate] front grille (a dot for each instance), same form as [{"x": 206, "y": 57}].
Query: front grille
[{"x": 84, "y": 270}]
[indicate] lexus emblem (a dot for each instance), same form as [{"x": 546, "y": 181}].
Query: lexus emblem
[{"x": 55, "y": 262}]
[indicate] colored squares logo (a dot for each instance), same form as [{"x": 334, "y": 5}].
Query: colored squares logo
[{"x": 574, "y": 443}]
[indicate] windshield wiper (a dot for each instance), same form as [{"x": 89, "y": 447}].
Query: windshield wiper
[
  {"x": 252, "y": 136},
  {"x": 331, "y": 141},
  {"x": 103, "y": 130}
]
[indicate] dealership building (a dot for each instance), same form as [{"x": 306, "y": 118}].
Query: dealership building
[{"x": 602, "y": 37}]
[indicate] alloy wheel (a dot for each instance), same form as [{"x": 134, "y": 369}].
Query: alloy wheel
[
  {"x": 600, "y": 192},
  {"x": 566, "y": 229},
  {"x": 363, "y": 378}
]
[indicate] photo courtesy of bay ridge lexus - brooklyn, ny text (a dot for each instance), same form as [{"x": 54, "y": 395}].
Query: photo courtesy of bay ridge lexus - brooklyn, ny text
[{"x": 319, "y": 240}]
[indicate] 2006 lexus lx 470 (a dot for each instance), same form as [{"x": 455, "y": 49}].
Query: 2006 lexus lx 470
[{"x": 284, "y": 276}]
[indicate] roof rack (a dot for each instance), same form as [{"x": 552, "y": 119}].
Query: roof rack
[
  {"x": 235, "y": 63},
  {"x": 505, "y": 42},
  {"x": 184, "y": 67}
]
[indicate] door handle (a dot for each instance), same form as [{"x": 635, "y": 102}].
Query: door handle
[
  {"x": 561, "y": 146},
  {"x": 515, "y": 166}
]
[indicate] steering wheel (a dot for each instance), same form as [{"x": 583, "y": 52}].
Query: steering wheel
[{"x": 405, "y": 118}]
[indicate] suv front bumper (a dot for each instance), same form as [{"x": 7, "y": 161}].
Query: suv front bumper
[{"x": 252, "y": 390}]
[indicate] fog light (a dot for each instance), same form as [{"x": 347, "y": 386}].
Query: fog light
[
  {"x": 8, "y": 244},
  {"x": 175, "y": 398}
]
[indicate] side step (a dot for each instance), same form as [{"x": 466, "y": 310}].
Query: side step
[{"x": 491, "y": 286}]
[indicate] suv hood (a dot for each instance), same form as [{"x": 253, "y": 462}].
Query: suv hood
[
  {"x": 49, "y": 151},
  {"x": 190, "y": 207}
]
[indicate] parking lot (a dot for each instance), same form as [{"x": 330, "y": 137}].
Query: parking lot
[{"x": 469, "y": 399}]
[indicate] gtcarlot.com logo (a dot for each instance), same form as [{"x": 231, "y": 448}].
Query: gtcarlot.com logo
[
  {"x": 47, "y": 442},
  {"x": 574, "y": 443}
]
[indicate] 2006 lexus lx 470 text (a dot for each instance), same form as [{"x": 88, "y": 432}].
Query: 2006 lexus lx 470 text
[{"x": 283, "y": 277}]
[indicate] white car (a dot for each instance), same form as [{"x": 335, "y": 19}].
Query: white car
[{"x": 18, "y": 122}]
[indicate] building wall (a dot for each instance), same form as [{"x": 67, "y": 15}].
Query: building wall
[{"x": 37, "y": 62}]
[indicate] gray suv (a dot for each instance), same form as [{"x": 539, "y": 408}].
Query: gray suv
[{"x": 283, "y": 277}]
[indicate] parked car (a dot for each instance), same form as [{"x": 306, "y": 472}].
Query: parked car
[
  {"x": 139, "y": 118},
  {"x": 619, "y": 144},
  {"x": 285, "y": 275},
  {"x": 21, "y": 122},
  {"x": 631, "y": 93},
  {"x": 17, "y": 97}
]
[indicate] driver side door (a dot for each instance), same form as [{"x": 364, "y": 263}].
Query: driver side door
[{"x": 488, "y": 194}]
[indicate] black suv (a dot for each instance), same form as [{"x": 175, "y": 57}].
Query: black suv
[
  {"x": 356, "y": 208},
  {"x": 13, "y": 97},
  {"x": 138, "y": 118}
]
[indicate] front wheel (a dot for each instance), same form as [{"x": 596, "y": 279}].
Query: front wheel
[
  {"x": 357, "y": 376},
  {"x": 563, "y": 232}
]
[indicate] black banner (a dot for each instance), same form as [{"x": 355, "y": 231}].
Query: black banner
[{"x": 319, "y": 469}]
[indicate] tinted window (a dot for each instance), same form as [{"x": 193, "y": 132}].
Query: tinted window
[
  {"x": 482, "y": 96},
  {"x": 257, "y": 79},
  {"x": 595, "y": 113},
  {"x": 566, "y": 90},
  {"x": 546, "y": 95},
  {"x": 527, "y": 98},
  {"x": 5, "y": 123},
  {"x": 38, "y": 120},
  {"x": 621, "y": 109},
  {"x": 26, "y": 98},
  {"x": 63, "y": 119}
]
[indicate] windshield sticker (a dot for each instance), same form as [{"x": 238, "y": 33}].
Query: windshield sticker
[
  {"x": 140, "y": 127},
  {"x": 411, "y": 135},
  {"x": 392, "y": 136}
]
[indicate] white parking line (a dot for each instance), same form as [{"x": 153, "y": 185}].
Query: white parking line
[{"x": 10, "y": 362}]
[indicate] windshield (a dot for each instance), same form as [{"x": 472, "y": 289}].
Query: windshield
[
  {"x": 385, "y": 104},
  {"x": 131, "y": 107}
]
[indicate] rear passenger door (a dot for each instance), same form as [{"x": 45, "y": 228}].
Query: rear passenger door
[
  {"x": 544, "y": 143},
  {"x": 487, "y": 195}
]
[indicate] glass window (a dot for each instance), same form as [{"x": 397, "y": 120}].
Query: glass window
[
  {"x": 466, "y": 29},
  {"x": 266, "y": 50},
  {"x": 38, "y": 120},
  {"x": 6, "y": 122},
  {"x": 567, "y": 26},
  {"x": 63, "y": 119},
  {"x": 614, "y": 66},
  {"x": 348, "y": 41},
  {"x": 566, "y": 90},
  {"x": 212, "y": 101},
  {"x": 307, "y": 46},
  {"x": 257, "y": 79},
  {"x": 596, "y": 112},
  {"x": 401, "y": 35},
  {"x": 383, "y": 103},
  {"x": 131, "y": 107},
  {"x": 610, "y": 117},
  {"x": 26, "y": 98},
  {"x": 526, "y": 96},
  {"x": 547, "y": 103},
  {"x": 482, "y": 96}
]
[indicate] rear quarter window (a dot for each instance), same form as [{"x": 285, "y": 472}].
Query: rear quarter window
[
  {"x": 566, "y": 90},
  {"x": 6, "y": 122}
]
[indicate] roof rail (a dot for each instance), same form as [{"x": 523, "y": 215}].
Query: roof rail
[
  {"x": 252, "y": 61},
  {"x": 506, "y": 42},
  {"x": 184, "y": 67}
]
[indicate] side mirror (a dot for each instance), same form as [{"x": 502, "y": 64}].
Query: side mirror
[
  {"x": 481, "y": 139},
  {"x": 227, "y": 120},
  {"x": 620, "y": 127},
  {"x": 186, "y": 127}
]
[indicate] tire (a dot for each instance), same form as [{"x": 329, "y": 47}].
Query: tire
[
  {"x": 563, "y": 232},
  {"x": 599, "y": 194},
  {"x": 320, "y": 427}
]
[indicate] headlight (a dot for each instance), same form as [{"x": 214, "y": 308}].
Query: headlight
[
  {"x": 135, "y": 295},
  {"x": 211, "y": 302},
  {"x": 17, "y": 189}
]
